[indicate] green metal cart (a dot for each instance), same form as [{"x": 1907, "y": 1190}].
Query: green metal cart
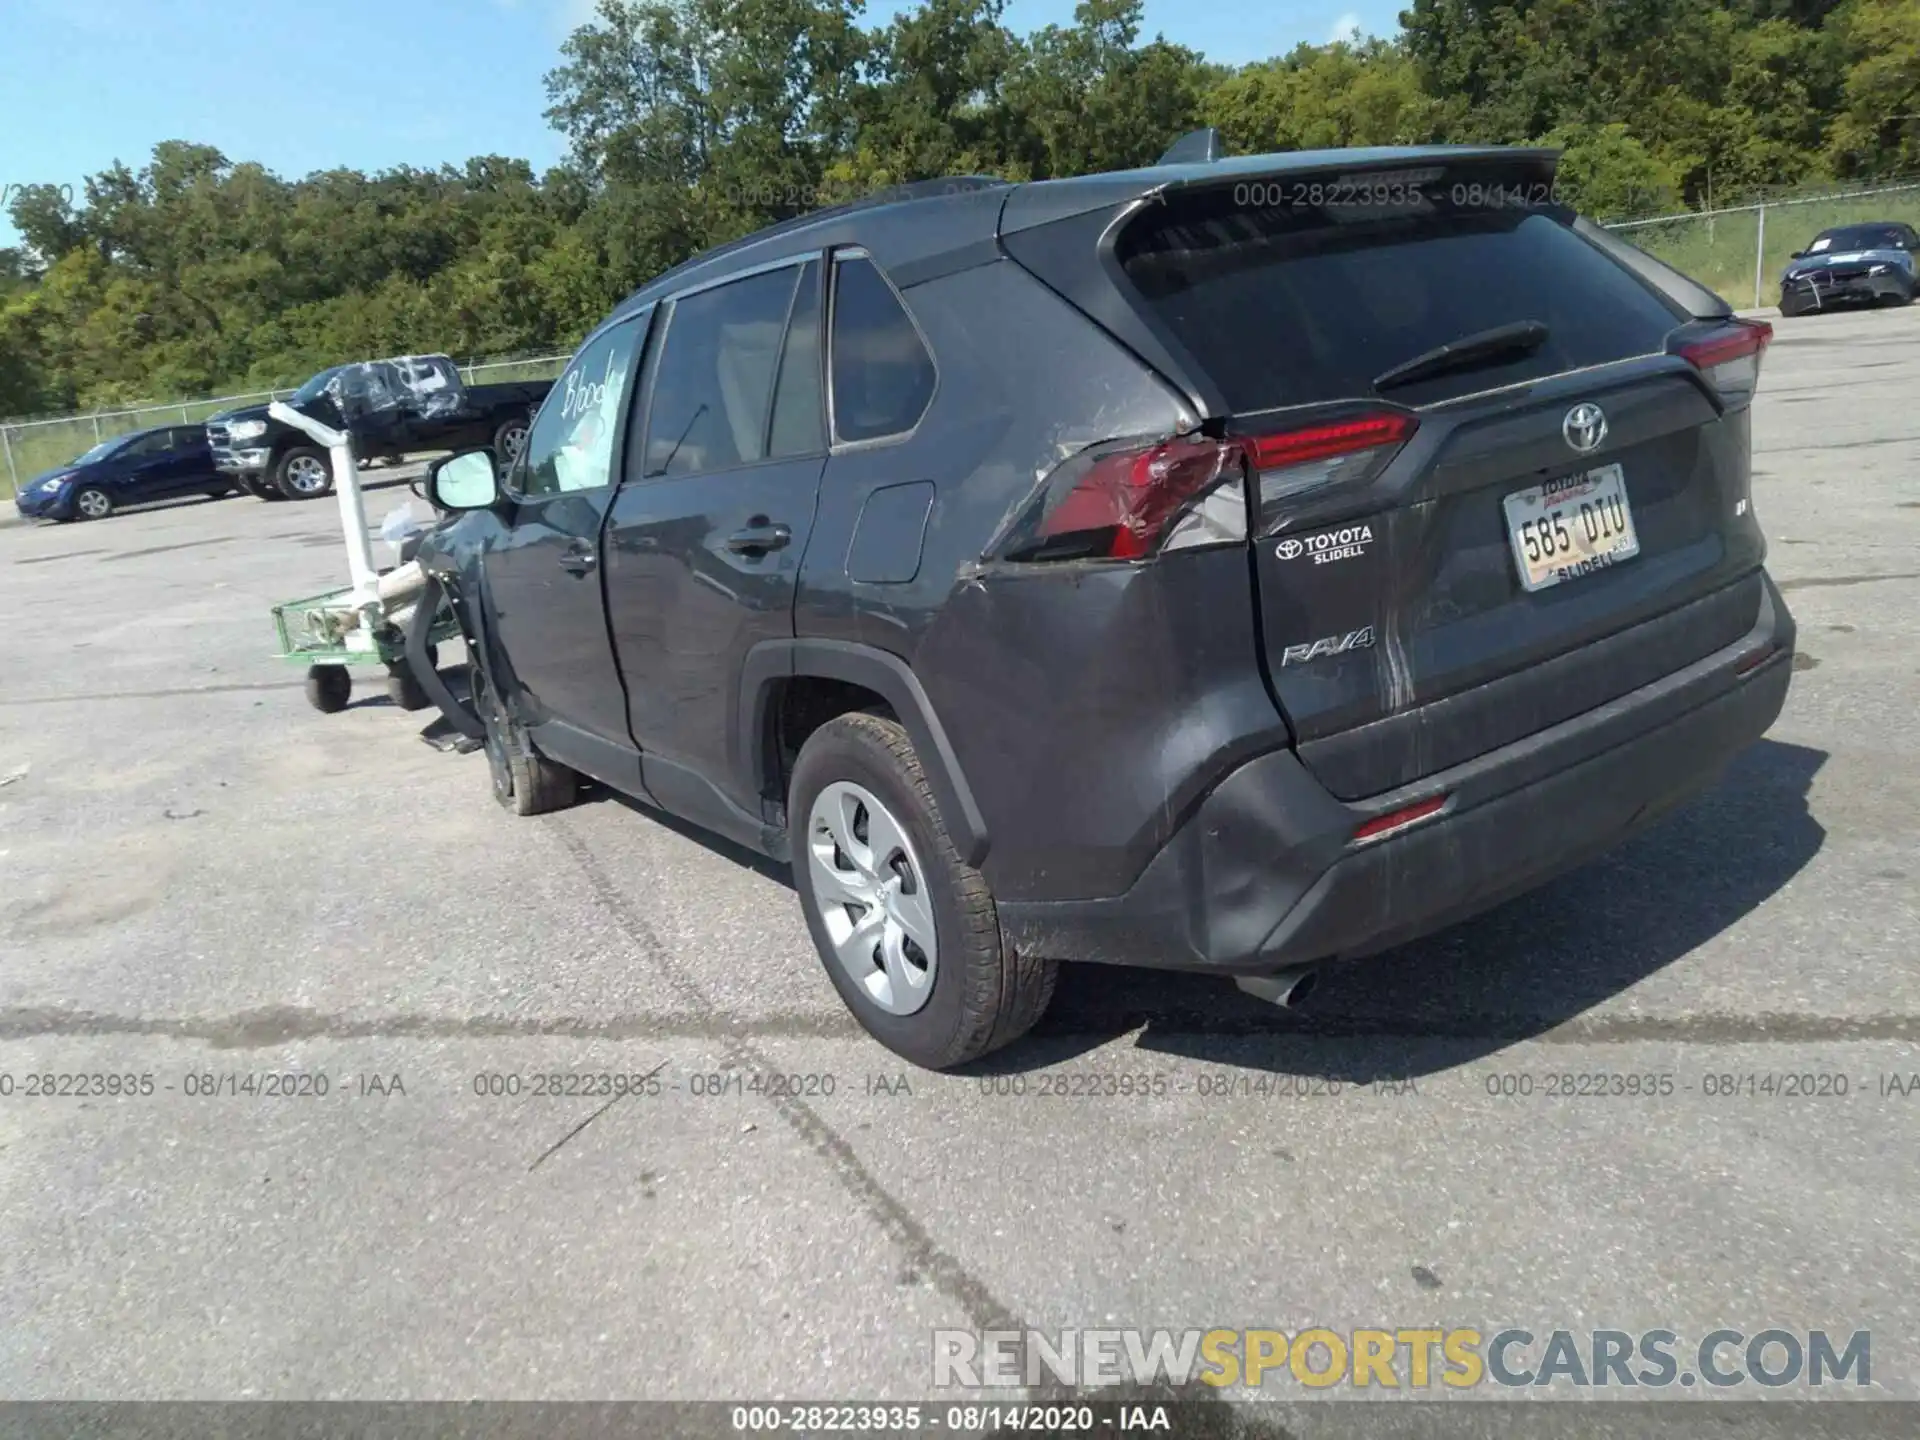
[{"x": 327, "y": 634}]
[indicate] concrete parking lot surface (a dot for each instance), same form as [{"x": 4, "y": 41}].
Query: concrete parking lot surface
[{"x": 201, "y": 878}]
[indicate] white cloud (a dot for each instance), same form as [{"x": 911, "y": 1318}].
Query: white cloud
[{"x": 1344, "y": 27}]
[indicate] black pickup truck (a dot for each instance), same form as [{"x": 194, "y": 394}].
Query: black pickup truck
[{"x": 275, "y": 461}]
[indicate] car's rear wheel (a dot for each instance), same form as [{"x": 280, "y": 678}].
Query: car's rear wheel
[
  {"x": 90, "y": 502},
  {"x": 907, "y": 931},
  {"x": 524, "y": 781},
  {"x": 304, "y": 473},
  {"x": 508, "y": 441}
]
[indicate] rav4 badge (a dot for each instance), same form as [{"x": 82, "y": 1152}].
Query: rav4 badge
[{"x": 1361, "y": 639}]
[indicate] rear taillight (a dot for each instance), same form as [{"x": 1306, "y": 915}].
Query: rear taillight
[
  {"x": 1728, "y": 355},
  {"x": 1133, "y": 500},
  {"x": 1129, "y": 500},
  {"x": 1348, "y": 450}
]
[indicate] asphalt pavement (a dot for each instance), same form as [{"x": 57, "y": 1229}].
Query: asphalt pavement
[{"x": 202, "y": 880}]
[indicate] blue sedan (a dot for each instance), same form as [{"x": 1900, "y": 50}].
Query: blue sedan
[{"x": 126, "y": 470}]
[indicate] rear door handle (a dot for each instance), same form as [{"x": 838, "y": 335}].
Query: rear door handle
[
  {"x": 578, "y": 559},
  {"x": 759, "y": 539}
]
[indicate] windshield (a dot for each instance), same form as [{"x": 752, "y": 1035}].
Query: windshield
[
  {"x": 316, "y": 387},
  {"x": 1856, "y": 237}
]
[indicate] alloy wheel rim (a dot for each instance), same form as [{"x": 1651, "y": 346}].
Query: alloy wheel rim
[
  {"x": 514, "y": 441},
  {"x": 307, "y": 475},
  {"x": 92, "y": 504},
  {"x": 872, "y": 895}
]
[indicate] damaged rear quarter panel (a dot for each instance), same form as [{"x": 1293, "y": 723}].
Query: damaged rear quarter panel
[
  {"x": 1093, "y": 705},
  {"x": 1088, "y": 706}
]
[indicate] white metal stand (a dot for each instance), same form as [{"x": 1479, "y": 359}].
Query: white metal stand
[{"x": 346, "y": 486}]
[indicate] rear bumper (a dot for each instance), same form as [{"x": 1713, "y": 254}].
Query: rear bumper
[{"x": 1264, "y": 874}]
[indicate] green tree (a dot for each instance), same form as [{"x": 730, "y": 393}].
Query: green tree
[
  {"x": 1608, "y": 174},
  {"x": 1878, "y": 127},
  {"x": 1319, "y": 96}
]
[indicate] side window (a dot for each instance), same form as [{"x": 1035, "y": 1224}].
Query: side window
[
  {"x": 189, "y": 438},
  {"x": 882, "y": 373},
  {"x": 570, "y": 446},
  {"x": 158, "y": 443},
  {"x": 799, "y": 424},
  {"x": 716, "y": 376}
]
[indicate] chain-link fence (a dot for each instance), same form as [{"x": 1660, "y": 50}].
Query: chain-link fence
[
  {"x": 28, "y": 447},
  {"x": 1741, "y": 250}
]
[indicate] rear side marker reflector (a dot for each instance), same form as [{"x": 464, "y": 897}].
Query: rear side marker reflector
[
  {"x": 1756, "y": 660},
  {"x": 1397, "y": 820}
]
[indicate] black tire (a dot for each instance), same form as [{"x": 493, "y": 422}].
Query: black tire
[
  {"x": 90, "y": 502},
  {"x": 292, "y": 470},
  {"x": 260, "y": 487},
  {"x": 524, "y": 781},
  {"x": 329, "y": 687},
  {"x": 404, "y": 688},
  {"x": 984, "y": 994},
  {"x": 505, "y": 452}
]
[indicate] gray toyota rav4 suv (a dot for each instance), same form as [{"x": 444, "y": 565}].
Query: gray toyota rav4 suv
[{"x": 1230, "y": 565}]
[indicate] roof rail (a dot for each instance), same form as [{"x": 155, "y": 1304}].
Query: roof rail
[
  {"x": 887, "y": 195},
  {"x": 1196, "y": 147}
]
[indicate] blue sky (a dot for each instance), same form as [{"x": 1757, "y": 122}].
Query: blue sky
[{"x": 304, "y": 85}]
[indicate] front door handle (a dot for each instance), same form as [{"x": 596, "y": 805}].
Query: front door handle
[
  {"x": 578, "y": 559},
  {"x": 757, "y": 540}
]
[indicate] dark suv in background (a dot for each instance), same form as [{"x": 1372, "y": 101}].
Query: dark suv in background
[{"x": 1226, "y": 566}]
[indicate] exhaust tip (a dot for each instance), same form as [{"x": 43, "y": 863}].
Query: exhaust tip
[{"x": 1285, "y": 988}]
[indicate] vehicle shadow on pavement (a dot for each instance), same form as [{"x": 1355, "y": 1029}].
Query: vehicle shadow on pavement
[
  {"x": 1528, "y": 967},
  {"x": 720, "y": 845}
]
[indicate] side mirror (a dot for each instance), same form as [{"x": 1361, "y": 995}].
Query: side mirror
[
  {"x": 464, "y": 482},
  {"x": 1798, "y": 255}
]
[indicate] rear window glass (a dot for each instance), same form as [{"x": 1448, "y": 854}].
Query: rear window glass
[
  {"x": 1288, "y": 304},
  {"x": 882, "y": 374}
]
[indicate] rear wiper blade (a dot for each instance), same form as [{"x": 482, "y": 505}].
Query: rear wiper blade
[{"x": 1520, "y": 338}]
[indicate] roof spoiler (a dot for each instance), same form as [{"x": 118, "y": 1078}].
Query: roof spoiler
[{"x": 1196, "y": 147}]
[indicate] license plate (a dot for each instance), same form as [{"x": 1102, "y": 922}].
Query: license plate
[{"x": 1572, "y": 527}]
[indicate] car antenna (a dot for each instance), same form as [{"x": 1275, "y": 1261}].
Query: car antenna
[{"x": 1196, "y": 147}]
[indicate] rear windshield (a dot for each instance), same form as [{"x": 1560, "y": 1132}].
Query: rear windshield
[{"x": 1288, "y": 303}]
